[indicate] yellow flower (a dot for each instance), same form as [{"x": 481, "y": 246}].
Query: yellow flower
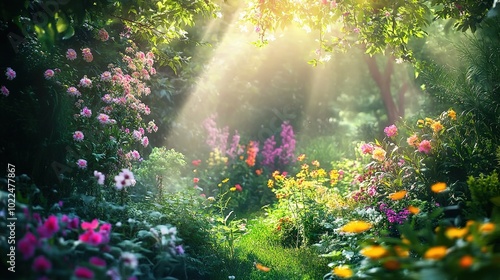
[
  {"x": 374, "y": 252},
  {"x": 301, "y": 157},
  {"x": 378, "y": 154},
  {"x": 270, "y": 183},
  {"x": 437, "y": 126},
  {"x": 342, "y": 271},
  {"x": 232, "y": 189},
  {"x": 420, "y": 123},
  {"x": 487, "y": 227},
  {"x": 356, "y": 227},
  {"x": 315, "y": 163},
  {"x": 225, "y": 180},
  {"x": 414, "y": 210},
  {"x": 436, "y": 253},
  {"x": 453, "y": 232},
  {"x": 402, "y": 252},
  {"x": 466, "y": 261},
  {"x": 429, "y": 121},
  {"x": 398, "y": 195},
  {"x": 438, "y": 187},
  {"x": 452, "y": 114}
]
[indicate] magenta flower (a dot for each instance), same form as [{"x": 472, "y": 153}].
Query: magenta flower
[
  {"x": 90, "y": 225},
  {"x": 49, "y": 73},
  {"x": 83, "y": 272},
  {"x": 73, "y": 91},
  {"x": 27, "y": 245},
  {"x": 425, "y": 146},
  {"x": 11, "y": 74},
  {"x": 137, "y": 135},
  {"x": 41, "y": 264},
  {"x": 78, "y": 136},
  {"x": 86, "y": 112},
  {"x": 97, "y": 261},
  {"x": 71, "y": 54},
  {"x": 91, "y": 237},
  {"x": 82, "y": 164},
  {"x": 391, "y": 131},
  {"x": 51, "y": 225},
  {"x": 4, "y": 91}
]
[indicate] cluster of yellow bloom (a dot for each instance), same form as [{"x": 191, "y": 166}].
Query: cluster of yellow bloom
[{"x": 215, "y": 158}]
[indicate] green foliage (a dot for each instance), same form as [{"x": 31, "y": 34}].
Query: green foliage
[
  {"x": 485, "y": 194},
  {"x": 162, "y": 169}
]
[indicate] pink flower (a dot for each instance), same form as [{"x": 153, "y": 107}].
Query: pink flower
[
  {"x": 86, "y": 112},
  {"x": 134, "y": 155},
  {"x": 103, "y": 118},
  {"x": 107, "y": 99},
  {"x": 391, "y": 130},
  {"x": 97, "y": 261},
  {"x": 90, "y": 225},
  {"x": 100, "y": 177},
  {"x": 87, "y": 55},
  {"x": 238, "y": 187},
  {"x": 51, "y": 225},
  {"x": 366, "y": 148},
  {"x": 71, "y": 54},
  {"x": 137, "y": 135},
  {"x": 196, "y": 162},
  {"x": 73, "y": 91},
  {"x": 41, "y": 264},
  {"x": 49, "y": 73},
  {"x": 103, "y": 35},
  {"x": 412, "y": 140},
  {"x": 145, "y": 141},
  {"x": 196, "y": 180},
  {"x": 425, "y": 146},
  {"x": 78, "y": 136},
  {"x": 124, "y": 179},
  {"x": 106, "y": 76},
  {"x": 85, "y": 82},
  {"x": 82, "y": 164},
  {"x": 11, "y": 74},
  {"x": 4, "y": 91},
  {"x": 129, "y": 259},
  {"x": 83, "y": 272},
  {"x": 27, "y": 245}
]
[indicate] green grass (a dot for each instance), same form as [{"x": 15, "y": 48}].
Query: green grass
[{"x": 260, "y": 245}]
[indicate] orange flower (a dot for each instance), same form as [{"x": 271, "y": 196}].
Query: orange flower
[
  {"x": 437, "y": 126},
  {"x": 466, "y": 261},
  {"x": 343, "y": 271},
  {"x": 453, "y": 232},
  {"x": 258, "y": 172},
  {"x": 487, "y": 228},
  {"x": 436, "y": 253},
  {"x": 412, "y": 140},
  {"x": 398, "y": 195},
  {"x": 452, "y": 114},
  {"x": 414, "y": 210},
  {"x": 438, "y": 187},
  {"x": 262, "y": 267},
  {"x": 402, "y": 252},
  {"x": 374, "y": 252},
  {"x": 356, "y": 227}
]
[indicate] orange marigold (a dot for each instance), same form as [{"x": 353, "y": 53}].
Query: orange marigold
[
  {"x": 436, "y": 253},
  {"x": 438, "y": 187},
  {"x": 356, "y": 227},
  {"x": 398, "y": 195}
]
